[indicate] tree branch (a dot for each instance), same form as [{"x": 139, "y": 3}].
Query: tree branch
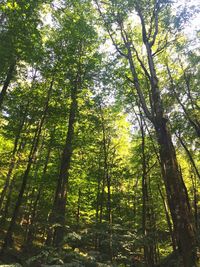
[{"x": 109, "y": 31}]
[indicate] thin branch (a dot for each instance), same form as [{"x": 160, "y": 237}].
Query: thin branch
[
  {"x": 131, "y": 63},
  {"x": 188, "y": 153},
  {"x": 141, "y": 63},
  {"x": 135, "y": 78},
  {"x": 109, "y": 31},
  {"x": 192, "y": 122},
  {"x": 150, "y": 168},
  {"x": 127, "y": 43},
  {"x": 155, "y": 13},
  {"x": 144, "y": 32}
]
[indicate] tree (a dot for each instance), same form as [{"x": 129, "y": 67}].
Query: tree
[
  {"x": 96, "y": 111},
  {"x": 20, "y": 38},
  {"x": 151, "y": 27},
  {"x": 80, "y": 63}
]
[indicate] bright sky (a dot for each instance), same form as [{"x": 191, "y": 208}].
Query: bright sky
[
  {"x": 190, "y": 30},
  {"x": 195, "y": 22}
]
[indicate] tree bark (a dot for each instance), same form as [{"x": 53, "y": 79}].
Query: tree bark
[
  {"x": 168, "y": 219},
  {"x": 195, "y": 200},
  {"x": 59, "y": 206},
  {"x": 176, "y": 191},
  {"x": 7, "y": 83},
  {"x": 146, "y": 220},
  {"x": 30, "y": 230},
  {"x": 98, "y": 201},
  {"x": 177, "y": 198}
]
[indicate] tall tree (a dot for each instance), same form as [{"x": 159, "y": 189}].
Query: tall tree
[
  {"x": 151, "y": 18},
  {"x": 80, "y": 63}
]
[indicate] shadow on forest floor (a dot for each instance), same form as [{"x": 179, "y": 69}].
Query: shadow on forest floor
[{"x": 69, "y": 258}]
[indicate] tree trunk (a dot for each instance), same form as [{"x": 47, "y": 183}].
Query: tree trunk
[
  {"x": 8, "y": 238},
  {"x": 176, "y": 191},
  {"x": 7, "y": 82},
  {"x": 148, "y": 248},
  {"x": 195, "y": 200},
  {"x": 168, "y": 219},
  {"x": 58, "y": 211},
  {"x": 96, "y": 242},
  {"x": 12, "y": 162},
  {"x": 78, "y": 207},
  {"x": 11, "y": 185},
  {"x": 177, "y": 198},
  {"x": 5, "y": 210},
  {"x": 189, "y": 156},
  {"x": 7, "y": 182},
  {"x": 30, "y": 233}
]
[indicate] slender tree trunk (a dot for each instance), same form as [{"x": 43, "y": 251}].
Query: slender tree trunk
[
  {"x": 109, "y": 198},
  {"x": 168, "y": 219},
  {"x": 26, "y": 219},
  {"x": 78, "y": 207},
  {"x": 195, "y": 200},
  {"x": 189, "y": 156},
  {"x": 109, "y": 211},
  {"x": 7, "y": 82},
  {"x": 8, "y": 238},
  {"x": 32, "y": 215},
  {"x": 193, "y": 122},
  {"x": 96, "y": 243},
  {"x": 105, "y": 169},
  {"x": 106, "y": 181},
  {"x": 30, "y": 196},
  {"x": 11, "y": 185},
  {"x": 31, "y": 229},
  {"x": 148, "y": 248},
  {"x": 194, "y": 103},
  {"x": 5, "y": 210},
  {"x": 102, "y": 200},
  {"x": 144, "y": 195},
  {"x": 102, "y": 195},
  {"x": 7, "y": 182},
  {"x": 12, "y": 162}
]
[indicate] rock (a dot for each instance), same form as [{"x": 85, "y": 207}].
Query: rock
[
  {"x": 73, "y": 264},
  {"x": 11, "y": 265}
]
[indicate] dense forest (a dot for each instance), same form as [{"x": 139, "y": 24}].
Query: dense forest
[{"x": 100, "y": 133}]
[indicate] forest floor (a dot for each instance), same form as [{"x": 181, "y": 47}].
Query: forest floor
[
  {"x": 43, "y": 256},
  {"x": 46, "y": 257}
]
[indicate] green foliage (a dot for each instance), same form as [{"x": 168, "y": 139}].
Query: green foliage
[{"x": 105, "y": 191}]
